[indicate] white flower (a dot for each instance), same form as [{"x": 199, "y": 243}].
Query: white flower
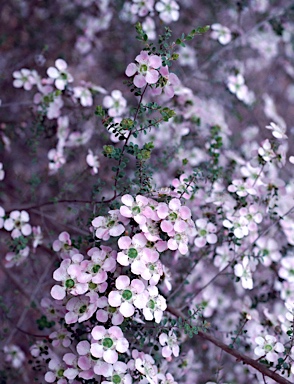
[
  {"x": 85, "y": 96},
  {"x": 205, "y": 233},
  {"x": 266, "y": 151},
  {"x": 148, "y": 26},
  {"x": 277, "y": 131},
  {"x": 168, "y": 10},
  {"x": 60, "y": 74},
  {"x": 116, "y": 103},
  {"x": 236, "y": 85},
  {"x": 269, "y": 347},
  {"x": 243, "y": 271},
  {"x": 14, "y": 355},
  {"x": 25, "y": 78},
  {"x": 18, "y": 224},
  {"x": 92, "y": 161},
  {"x": 170, "y": 344},
  {"x": 221, "y": 33}
]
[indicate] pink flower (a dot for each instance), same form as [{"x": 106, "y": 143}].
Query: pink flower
[
  {"x": 145, "y": 69},
  {"x": 134, "y": 208},
  {"x": 128, "y": 295},
  {"x": 18, "y": 224},
  {"x": 81, "y": 308},
  {"x": 109, "y": 342},
  {"x": 155, "y": 305},
  {"x": 16, "y": 258},
  {"x": 105, "y": 312},
  {"x": 170, "y": 344},
  {"x": 167, "y": 82},
  {"x": 63, "y": 245},
  {"x": 111, "y": 225},
  {"x": 142, "y": 8}
]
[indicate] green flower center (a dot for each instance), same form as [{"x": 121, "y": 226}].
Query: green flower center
[
  {"x": 107, "y": 342},
  {"x": 143, "y": 68},
  {"x": 136, "y": 210},
  {"x": 96, "y": 268},
  {"x": 83, "y": 309},
  {"x": 127, "y": 294},
  {"x": 268, "y": 348},
  {"x": 60, "y": 372},
  {"x": 69, "y": 283},
  {"x": 111, "y": 309},
  {"x": 202, "y": 232},
  {"x": 173, "y": 216},
  {"x": 151, "y": 304},
  {"x": 110, "y": 223},
  {"x": 132, "y": 253},
  {"x": 92, "y": 285},
  {"x": 116, "y": 379}
]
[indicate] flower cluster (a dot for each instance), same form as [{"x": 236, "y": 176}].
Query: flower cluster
[
  {"x": 113, "y": 285},
  {"x": 149, "y": 71}
]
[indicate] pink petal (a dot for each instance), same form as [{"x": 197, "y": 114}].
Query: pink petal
[
  {"x": 122, "y": 345},
  {"x": 98, "y": 332},
  {"x": 58, "y": 292},
  {"x": 110, "y": 356},
  {"x": 151, "y": 76},
  {"x": 140, "y": 81},
  {"x": 122, "y": 282},
  {"x": 131, "y": 69},
  {"x": 124, "y": 242},
  {"x": 127, "y": 309},
  {"x": 155, "y": 61},
  {"x": 114, "y": 299}
]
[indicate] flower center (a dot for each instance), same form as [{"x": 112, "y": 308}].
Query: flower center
[
  {"x": 110, "y": 223},
  {"x": 116, "y": 379},
  {"x": 173, "y": 216},
  {"x": 143, "y": 68},
  {"x": 83, "y": 309},
  {"x": 127, "y": 294},
  {"x": 202, "y": 232},
  {"x": 151, "y": 304},
  {"x": 136, "y": 210},
  {"x": 60, "y": 372},
  {"x": 132, "y": 253},
  {"x": 96, "y": 268},
  {"x": 107, "y": 342},
  {"x": 92, "y": 285},
  {"x": 268, "y": 348},
  {"x": 69, "y": 283}
]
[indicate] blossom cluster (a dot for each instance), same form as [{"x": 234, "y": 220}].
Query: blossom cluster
[{"x": 112, "y": 285}]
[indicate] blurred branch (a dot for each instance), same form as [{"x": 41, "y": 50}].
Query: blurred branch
[{"x": 239, "y": 356}]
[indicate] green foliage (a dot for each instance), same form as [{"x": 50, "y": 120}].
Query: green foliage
[{"x": 44, "y": 323}]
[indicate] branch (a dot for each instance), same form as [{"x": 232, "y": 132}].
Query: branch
[{"x": 239, "y": 356}]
